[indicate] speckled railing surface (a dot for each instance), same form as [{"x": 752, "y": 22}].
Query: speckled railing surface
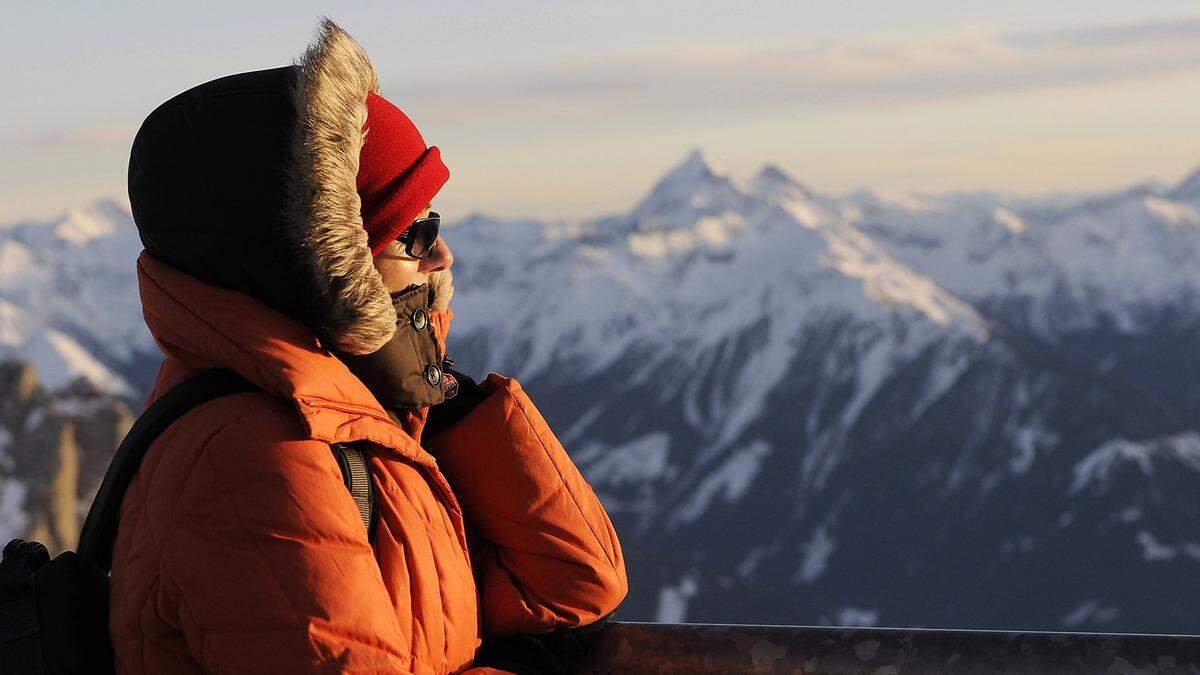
[{"x": 712, "y": 648}]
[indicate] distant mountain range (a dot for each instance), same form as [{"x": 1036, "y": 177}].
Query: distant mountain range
[
  {"x": 69, "y": 299},
  {"x": 967, "y": 410}
]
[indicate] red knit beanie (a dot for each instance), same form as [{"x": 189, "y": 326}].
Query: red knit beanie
[{"x": 397, "y": 174}]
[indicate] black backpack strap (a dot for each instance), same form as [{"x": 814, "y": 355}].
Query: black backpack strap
[
  {"x": 356, "y": 474},
  {"x": 100, "y": 528}
]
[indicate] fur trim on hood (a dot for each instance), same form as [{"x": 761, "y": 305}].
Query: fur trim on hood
[
  {"x": 441, "y": 283},
  {"x": 249, "y": 183},
  {"x": 354, "y": 308}
]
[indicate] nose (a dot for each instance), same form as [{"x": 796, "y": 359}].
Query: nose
[{"x": 440, "y": 259}]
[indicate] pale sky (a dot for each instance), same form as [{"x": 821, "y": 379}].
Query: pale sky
[{"x": 561, "y": 109}]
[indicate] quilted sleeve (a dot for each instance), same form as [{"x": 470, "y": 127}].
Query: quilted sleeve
[
  {"x": 268, "y": 562},
  {"x": 551, "y": 557}
]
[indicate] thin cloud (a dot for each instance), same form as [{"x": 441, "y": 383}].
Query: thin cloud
[
  {"x": 1185, "y": 29},
  {"x": 837, "y": 73},
  {"x": 85, "y": 136}
]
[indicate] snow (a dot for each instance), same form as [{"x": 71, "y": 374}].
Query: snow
[
  {"x": 764, "y": 265},
  {"x": 729, "y": 481},
  {"x": 1131, "y": 514},
  {"x": 710, "y": 231},
  {"x": 15, "y": 325},
  {"x": 895, "y": 199},
  {"x": 80, "y": 226},
  {"x": 750, "y": 563},
  {"x": 697, "y": 183},
  {"x": 944, "y": 374},
  {"x": 856, "y": 616},
  {"x": 1099, "y": 467},
  {"x": 578, "y": 428},
  {"x": 1076, "y": 264},
  {"x": 1189, "y": 188},
  {"x": 817, "y": 551},
  {"x": 1027, "y": 440},
  {"x": 730, "y": 253},
  {"x": 1155, "y": 551},
  {"x": 59, "y": 360},
  {"x": 1009, "y": 220},
  {"x": 1172, "y": 213},
  {"x": 673, "y": 600},
  {"x": 891, "y": 284},
  {"x": 1090, "y": 612},
  {"x": 873, "y": 369},
  {"x": 1152, "y": 550},
  {"x": 13, "y": 519},
  {"x": 702, "y": 264},
  {"x": 68, "y": 295},
  {"x": 713, "y": 287},
  {"x": 16, "y": 260},
  {"x": 641, "y": 460}
]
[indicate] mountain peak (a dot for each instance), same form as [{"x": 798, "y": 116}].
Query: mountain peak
[
  {"x": 772, "y": 179},
  {"x": 697, "y": 183},
  {"x": 698, "y": 164},
  {"x": 81, "y": 225},
  {"x": 1189, "y": 188},
  {"x": 773, "y": 172}
]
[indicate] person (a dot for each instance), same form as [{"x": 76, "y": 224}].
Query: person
[{"x": 285, "y": 217}]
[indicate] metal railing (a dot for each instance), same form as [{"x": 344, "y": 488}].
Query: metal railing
[{"x": 713, "y": 648}]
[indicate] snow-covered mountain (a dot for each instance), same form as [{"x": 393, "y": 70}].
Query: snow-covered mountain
[
  {"x": 972, "y": 410},
  {"x": 1107, "y": 259},
  {"x": 69, "y": 301},
  {"x": 963, "y": 410}
]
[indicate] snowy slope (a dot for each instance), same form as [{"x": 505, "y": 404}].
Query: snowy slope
[
  {"x": 684, "y": 278},
  {"x": 1105, "y": 259},
  {"x": 827, "y": 381},
  {"x": 1189, "y": 189},
  {"x": 68, "y": 297},
  {"x": 657, "y": 275}
]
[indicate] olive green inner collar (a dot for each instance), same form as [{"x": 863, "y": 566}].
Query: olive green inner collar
[{"x": 406, "y": 372}]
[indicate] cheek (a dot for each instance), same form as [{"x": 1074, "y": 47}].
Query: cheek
[{"x": 398, "y": 273}]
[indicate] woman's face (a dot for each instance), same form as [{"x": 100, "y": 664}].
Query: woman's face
[{"x": 399, "y": 271}]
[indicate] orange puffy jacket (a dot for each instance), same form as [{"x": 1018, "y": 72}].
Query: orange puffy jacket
[{"x": 240, "y": 550}]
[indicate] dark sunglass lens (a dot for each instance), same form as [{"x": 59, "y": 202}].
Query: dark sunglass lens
[{"x": 422, "y": 235}]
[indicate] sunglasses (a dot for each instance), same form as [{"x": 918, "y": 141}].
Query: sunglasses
[{"x": 420, "y": 237}]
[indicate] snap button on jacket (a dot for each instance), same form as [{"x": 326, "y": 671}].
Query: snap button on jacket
[{"x": 239, "y": 549}]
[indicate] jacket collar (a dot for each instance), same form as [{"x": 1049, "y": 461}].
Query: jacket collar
[{"x": 199, "y": 326}]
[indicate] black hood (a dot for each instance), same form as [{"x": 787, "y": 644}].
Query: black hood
[
  {"x": 247, "y": 182},
  {"x": 208, "y": 187}
]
